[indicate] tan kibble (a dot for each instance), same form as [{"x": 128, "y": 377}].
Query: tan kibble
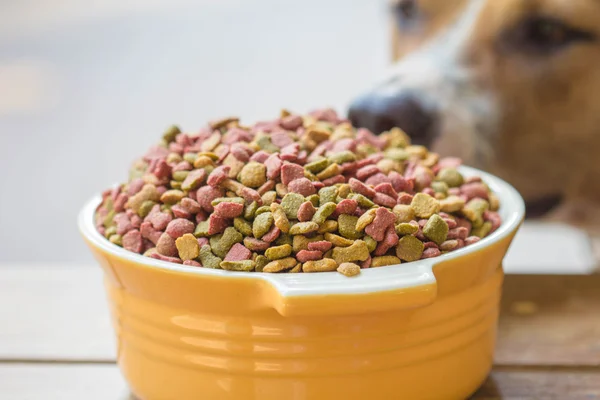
[
  {"x": 358, "y": 251},
  {"x": 365, "y": 219},
  {"x": 383, "y": 261},
  {"x": 281, "y": 220},
  {"x": 148, "y": 192},
  {"x": 172, "y": 196},
  {"x": 404, "y": 213},
  {"x": 280, "y": 265},
  {"x": 349, "y": 269},
  {"x": 337, "y": 240},
  {"x": 187, "y": 247},
  {"x": 324, "y": 265},
  {"x": 253, "y": 174},
  {"x": 424, "y": 205},
  {"x": 452, "y": 204}
]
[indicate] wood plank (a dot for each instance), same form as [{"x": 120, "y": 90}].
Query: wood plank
[
  {"x": 550, "y": 320},
  {"x": 103, "y": 382},
  {"x": 527, "y": 384},
  {"x": 60, "y": 313},
  {"x": 65, "y": 382},
  {"x": 54, "y": 313}
]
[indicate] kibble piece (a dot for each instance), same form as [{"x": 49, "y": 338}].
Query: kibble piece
[
  {"x": 290, "y": 203},
  {"x": 331, "y": 170},
  {"x": 405, "y": 228},
  {"x": 328, "y": 226},
  {"x": 253, "y": 174},
  {"x": 409, "y": 248},
  {"x": 317, "y": 166},
  {"x": 277, "y": 252},
  {"x": 327, "y": 194},
  {"x": 244, "y": 265},
  {"x": 451, "y": 177},
  {"x": 250, "y": 210},
  {"x": 172, "y": 196},
  {"x": 324, "y": 265},
  {"x": 348, "y": 269},
  {"x": 404, "y": 212},
  {"x": 365, "y": 220},
  {"x": 323, "y": 212},
  {"x": 302, "y": 228},
  {"x": 483, "y": 230},
  {"x": 371, "y": 243},
  {"x": 347, "y": 227},
  {"x": 451, "y": 204},
  {"x": 383, "y": 261},
  {"x": 338, "y": 240},
  {"x": 261, "y": 261},
  {"x": 262, "y": 224},
  {"x": 222, "y": 243},
  {"x": 436, "y": 229},
  {"x": 358, "y": 251},
  {"x": 243, "y": 226},
  {"x": 300, "y": 242},
  {"x": 363, "y": 201},
  {"x": 187, "y": 247},
  {"x": 280, "y": 265},
  {"x": 208, "y": 259},
  {"x": 424, "y": 206},
  {"x": 280, "y": 218}
]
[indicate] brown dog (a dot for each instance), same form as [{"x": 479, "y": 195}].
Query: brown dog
[{"x": 511, "y": 86}]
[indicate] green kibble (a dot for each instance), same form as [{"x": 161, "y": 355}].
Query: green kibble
[
  {"x": 409, "y": 248},
  {"x": 284, "y": 238},
  {"x": 436, "y": 229},
  {"x": 250, "y": 210},
  {"x": 478, "y": 205},
  {"x": 145, "y": 208},
  {"x": 190, "y": 157},
  {"x": 180, "y": 176},
  {"x": 314, "y": 199},
  {"x": 302, "y": 228},
  {"x": 327, "y": 194},
  {"x": 245, "y": 265},
  {"x": 262, "y": 224},
  {"x": 262, "y": 210},
  {"x": 290, "y": 203},
  {"x": 201, "y": 229},
  {"x": 347, "y": 226},
  {"x": 363, "y": 201},
  {"x": 220, "y": 244},
  {"x": 243, "y": 226},
  {"x": 277, "y": 252},
  {"x": 406, "y": 228},
  {"x": 111, "y": 230},
  {"x": 264, "y": 142},
  {"x": 317, "y": 166},
  {"x": 440, "y": 187},
  {"x": 108, "y": 220},
  {"x": 397, "y": 154},
  {"x": 483, "y": 230},
  {"x": 323, "y": 212},
  {"x": 170, "y": 133},
  {"x": 208, "y": 259},
  {"x": 116, "y": 239},
  {"x": 260, "y": 261},
  {"x": 371, "y": 243},
  {"x": 219, "y": 200},
  {"x": 342, "y": 157},
  {"x": 176, "y": 184},
  {"x": 451, "y": 177},
  {"x": 358, "y": 251},
  {"x": 269, "y": 197}
]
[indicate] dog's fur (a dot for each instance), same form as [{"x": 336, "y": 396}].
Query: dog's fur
[{"x": 528, "y": 115}]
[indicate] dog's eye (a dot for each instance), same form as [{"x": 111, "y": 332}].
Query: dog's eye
[
  {"x": 406, "y": 12},
  {"x": 545, "y": 35}
]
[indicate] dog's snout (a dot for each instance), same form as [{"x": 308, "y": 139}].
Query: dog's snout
[{"x": 380, "y": 113}]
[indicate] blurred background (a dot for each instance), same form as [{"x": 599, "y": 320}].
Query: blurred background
[{"x": 86, "y": 87}]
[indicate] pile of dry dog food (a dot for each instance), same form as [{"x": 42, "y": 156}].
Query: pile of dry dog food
[{"x": 296, "y": 194}]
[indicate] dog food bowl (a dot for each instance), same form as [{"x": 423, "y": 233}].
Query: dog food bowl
[{"x": 420, "y": 330}]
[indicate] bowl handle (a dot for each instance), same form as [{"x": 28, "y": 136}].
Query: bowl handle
[{"x": 405, "y": 286}]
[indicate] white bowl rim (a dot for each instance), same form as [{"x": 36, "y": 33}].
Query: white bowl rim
[{"x": 401, "y": 276}]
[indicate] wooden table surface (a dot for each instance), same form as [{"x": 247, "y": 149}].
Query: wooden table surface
[{"x": 56, "y": 340}]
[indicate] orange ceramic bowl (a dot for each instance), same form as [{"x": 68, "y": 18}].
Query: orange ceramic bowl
[{"x": 421, "y": 330}]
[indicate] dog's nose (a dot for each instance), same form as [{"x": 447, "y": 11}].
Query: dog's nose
[{"x": 380, "y": 113}]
